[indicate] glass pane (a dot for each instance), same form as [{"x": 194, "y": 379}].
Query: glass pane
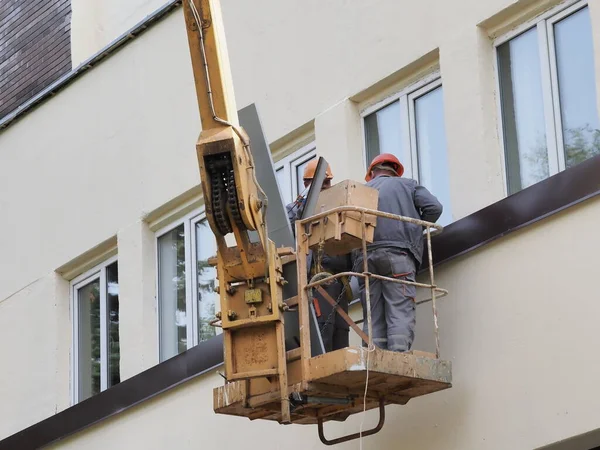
[
  {"x": 112, "y": 317},
  {"x": 577, "y": 87},
  {"x": 88, "y": 340},
  {"x": 283, "y": 185},
  {"x": 431, "y": 149},
  {"x": 299, "y": 188},
  {"x": 171, "y": 293},
  {"x": 208, "y": 299},
  {"x": 383, "y": 133},
  {"x": 523, "y": 111}
]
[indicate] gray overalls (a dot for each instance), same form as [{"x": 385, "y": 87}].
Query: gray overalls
[{"x": 396, "y": 252}]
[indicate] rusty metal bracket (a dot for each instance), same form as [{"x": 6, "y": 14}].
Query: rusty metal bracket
[{"x": 353, "y": 436}]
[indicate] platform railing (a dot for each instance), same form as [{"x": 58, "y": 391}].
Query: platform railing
[{"x": 430, "y": 229}]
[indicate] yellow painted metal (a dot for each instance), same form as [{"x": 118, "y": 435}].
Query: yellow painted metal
[
  {"x": 253, "y": 296},
  {"x": 250, "y": 273}
]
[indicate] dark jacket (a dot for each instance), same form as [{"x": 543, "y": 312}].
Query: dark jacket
[{"x": 404, "y": 197}]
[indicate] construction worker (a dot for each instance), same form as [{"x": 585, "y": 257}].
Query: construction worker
[
  {"x": 396, "y": 252},
  {"x": 294, "y": 210},
  {"x": 334, "y": 329}
]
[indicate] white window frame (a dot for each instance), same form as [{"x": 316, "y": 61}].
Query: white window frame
[
  {"x": 189, "y": 222},
  {"x": 289, "y": 164},
  {"x": 407, "y": 121},
  {"x": 96, "y": 273},
  {"x": 549, "y": 82}
]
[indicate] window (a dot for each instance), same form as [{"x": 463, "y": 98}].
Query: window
[
  {"x": 548, "y": 96},
  {"x": 290, "y": 171},
  {"x": 411, "y": 126},
  {"x": 207, "y": 300},
  {"x": 96, "y": 355},
  {"x": 187, "y": 300}
]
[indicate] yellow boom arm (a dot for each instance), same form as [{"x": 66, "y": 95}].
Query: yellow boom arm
[{"x": 250, "y": 274}]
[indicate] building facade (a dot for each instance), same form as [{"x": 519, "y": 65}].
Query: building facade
[{"x": 106, "y": 294}]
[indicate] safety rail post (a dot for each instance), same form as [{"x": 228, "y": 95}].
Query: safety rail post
[
  {"x": 433, "y": 292},
  {"x": 367, "y": 278},
  {"x": 303, "y": 300}
]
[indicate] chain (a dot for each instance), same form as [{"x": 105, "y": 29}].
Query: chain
[{"x": 333, "y": 310}]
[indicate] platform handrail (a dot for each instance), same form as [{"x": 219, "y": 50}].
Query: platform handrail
[
  {"x": 373, "y": 212},
  {"x": 431, "y": 229}
]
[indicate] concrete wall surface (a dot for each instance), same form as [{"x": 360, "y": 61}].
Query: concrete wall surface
[{"x": 96, "y": 24}]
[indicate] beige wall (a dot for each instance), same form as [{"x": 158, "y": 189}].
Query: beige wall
[
  {"x": 100, "y": 161},
  {"x": 35, "y": 337},
  {"x": 523, "y": 354},
  {"x": 95, "y": 24},
  {"x": 85, "y": 167}
]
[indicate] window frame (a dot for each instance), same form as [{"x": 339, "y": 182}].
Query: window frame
[
  {"x": 290, "y": 164},
  {"x": 189, "y": 222},
  {"x": 544, "y": 23},
  {"x": 98, "y": 272},
  {"x": 406, "y": 97}
]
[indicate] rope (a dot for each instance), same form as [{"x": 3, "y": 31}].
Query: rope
[
  {"x": 364, "y": 413},
  {"x": 369, "y": 350}
]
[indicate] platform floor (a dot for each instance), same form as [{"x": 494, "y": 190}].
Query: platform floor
[{"x": 396, "y": 377}]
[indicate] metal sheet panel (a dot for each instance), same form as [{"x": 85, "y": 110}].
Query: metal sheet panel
[{"x": 279, "y": 228}]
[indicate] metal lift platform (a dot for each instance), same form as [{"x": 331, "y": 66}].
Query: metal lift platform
[
  {"x": 332, "y": 386},
  {"x": 335, "y": 386}
]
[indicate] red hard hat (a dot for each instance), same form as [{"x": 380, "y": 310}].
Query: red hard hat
[
  {"x": 385, "y": 158},
  {"x": 311, "y": 167}
]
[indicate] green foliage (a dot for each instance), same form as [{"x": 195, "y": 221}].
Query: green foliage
[
  {"x": 94, "y": 299},
  {"x": 580, "y": 144},
  {"x": 206, "y": 299}
]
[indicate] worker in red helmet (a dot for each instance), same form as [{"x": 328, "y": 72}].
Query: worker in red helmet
[
  {"x": 334, "y": 330},
  {"x": 396, "y": 252}
]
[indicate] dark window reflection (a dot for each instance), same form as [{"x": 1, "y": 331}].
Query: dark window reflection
[
  {"x": 88, "y": 298},
  {"x": 112, "y": 318}
]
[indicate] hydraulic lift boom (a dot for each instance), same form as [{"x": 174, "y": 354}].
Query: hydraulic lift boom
[{"x": 250, "y": 273}]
